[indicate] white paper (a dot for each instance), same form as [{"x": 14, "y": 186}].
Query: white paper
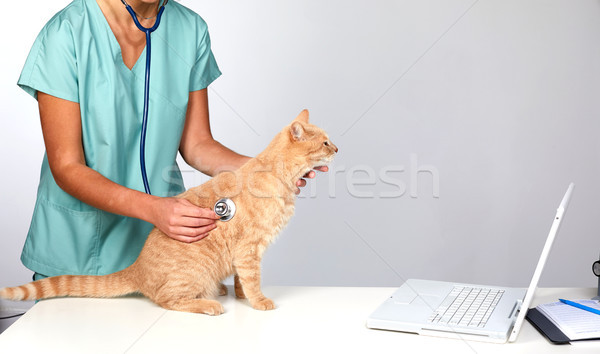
[{"x": 575, "y": 323}]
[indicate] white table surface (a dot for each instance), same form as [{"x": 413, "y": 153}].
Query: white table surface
[{"x": 307, "y": 320}]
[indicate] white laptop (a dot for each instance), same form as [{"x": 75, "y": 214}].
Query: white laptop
[{"x": 463, "y": 311}]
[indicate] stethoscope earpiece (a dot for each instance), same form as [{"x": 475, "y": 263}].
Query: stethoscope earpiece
[{"x": 225, "y": 208}]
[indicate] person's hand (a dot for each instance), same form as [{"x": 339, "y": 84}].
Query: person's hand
[
  {"x": 311, "y": 174},
  {"x": 183, "y": 221}
]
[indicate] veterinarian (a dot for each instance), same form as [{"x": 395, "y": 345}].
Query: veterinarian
[{"x": 86, "y": 70}]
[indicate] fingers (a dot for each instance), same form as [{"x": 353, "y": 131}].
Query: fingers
[
  {"x": 195, "y": 232},
  {"x": 191, "y": 222},
  {"x": 199, "y": 217},
  {"x": 192, "y": 231},
  {"x": 187, "y": 208},
  {"x": 186, "y": 222},
  {"x": 188, "y": 239},
  {"x": 301, "y": 182},
  {"x": 191, "y": 234},
  {"x": 310, "y": 174}
]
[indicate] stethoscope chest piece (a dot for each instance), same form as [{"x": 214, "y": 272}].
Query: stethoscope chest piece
[{"x": 225, "y": 208}]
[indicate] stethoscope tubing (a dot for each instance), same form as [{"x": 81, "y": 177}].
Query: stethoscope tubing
[
  {"x": 224, "y": 207},
  {"x": 147, "y": 31}
]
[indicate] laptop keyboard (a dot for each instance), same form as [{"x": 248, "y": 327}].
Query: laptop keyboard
[{"x": 467, "y": 306}]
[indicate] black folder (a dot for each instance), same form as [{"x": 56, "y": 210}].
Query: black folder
[{"x": 546, "y": 327}]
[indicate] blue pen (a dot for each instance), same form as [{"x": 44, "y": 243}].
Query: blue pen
[{"x": 580, "y": 306}]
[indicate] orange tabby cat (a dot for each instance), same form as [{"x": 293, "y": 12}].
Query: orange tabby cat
[{"x": 184, "y": 276}]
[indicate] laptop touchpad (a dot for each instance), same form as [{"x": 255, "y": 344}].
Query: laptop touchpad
[{"x": 404, "y": 296}]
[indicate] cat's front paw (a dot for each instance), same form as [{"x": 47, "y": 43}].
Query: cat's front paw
[
  {"x": 264, "y": 304},
  {"x": 222, "y": 290},
  {"x": 214, "y": 308},
  {"x": 239, "y": 292}
]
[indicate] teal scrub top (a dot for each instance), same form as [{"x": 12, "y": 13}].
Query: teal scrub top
[{"x": 76, "y": 57}]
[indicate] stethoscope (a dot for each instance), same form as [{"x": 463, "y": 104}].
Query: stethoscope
[
  {"x": 224, "y": 207},
  {"x": 147, "y": 31}
]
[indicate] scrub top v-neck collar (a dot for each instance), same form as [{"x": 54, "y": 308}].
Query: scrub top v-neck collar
[{"x": 102, "y": 22}]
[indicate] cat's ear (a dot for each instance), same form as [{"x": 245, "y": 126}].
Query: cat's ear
[
  {"x": 303, "y": 116},
  {"x": 297, "y": 131}
]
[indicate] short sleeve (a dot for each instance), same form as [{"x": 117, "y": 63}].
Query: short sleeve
[
  {"x": 205, "y": 69},
  {"x": 51, "y": 66}
]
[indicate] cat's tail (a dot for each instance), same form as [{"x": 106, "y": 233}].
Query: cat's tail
[{"x": 112, "y": 285}]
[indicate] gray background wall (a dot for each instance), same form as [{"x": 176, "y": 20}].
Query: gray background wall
[{"x": 459, "y": 123}]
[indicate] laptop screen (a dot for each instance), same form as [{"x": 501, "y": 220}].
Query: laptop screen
[{"x": 560, "y": 212}]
